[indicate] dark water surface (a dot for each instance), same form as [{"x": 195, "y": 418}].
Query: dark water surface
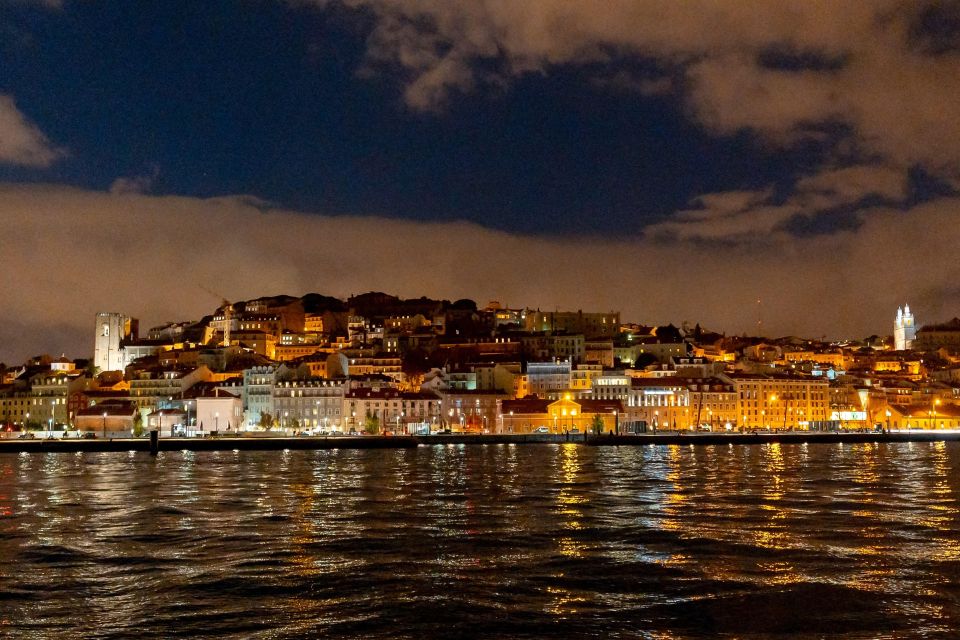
[{"x": 818, "y": 540}]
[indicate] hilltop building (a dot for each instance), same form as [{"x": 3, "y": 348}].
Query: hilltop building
[
  {"x": 111, "y": 330},
  {"x": 904, "y": 329}
]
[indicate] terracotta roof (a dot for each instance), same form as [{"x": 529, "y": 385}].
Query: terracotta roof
[
  {"x": 525, "y": 405},
  {"x": 111, "y": 408}
]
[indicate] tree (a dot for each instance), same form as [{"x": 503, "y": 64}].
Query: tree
[
  {"x": 597, "y": 424},
  {"x": 266, "y": 420},
  {"x": 644, "y": 360},
  {"x": 464, "y": 304},
  {"x": 415, "y": 362},
  {"x": 371, "y": 424},
  {"x": 295, "y": 424}
]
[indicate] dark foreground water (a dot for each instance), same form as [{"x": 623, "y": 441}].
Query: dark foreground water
[{"x": 856, "y": 541}]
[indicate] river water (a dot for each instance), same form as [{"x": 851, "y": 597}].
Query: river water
[{"x": 492, "y": 541}]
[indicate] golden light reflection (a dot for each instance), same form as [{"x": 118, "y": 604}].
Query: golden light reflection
[
  {"x": 570, "y": 505},
  {"x": 774, "y": 466},
  {"x": 773, "y": 533},
  {"x": 303, "y": 531},
  {"x": 564, "y": 601},
  {"x": 780, "y": 573},
  {"x": 675, "y": 499},
  {"x": 6, "y": 502},
  {"x": 946, "y": 550},
  {"x": 940, "y": 516},
  {"x": 865, "y": 468},
  {"x": 569, "y": 500},
  {"x": 941, "y": 469}
]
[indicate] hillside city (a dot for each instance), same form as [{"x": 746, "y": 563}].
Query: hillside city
[{"x": 378, "y": 364}]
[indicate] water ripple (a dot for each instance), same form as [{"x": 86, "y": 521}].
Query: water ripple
[{"x": 855, "y": 541}]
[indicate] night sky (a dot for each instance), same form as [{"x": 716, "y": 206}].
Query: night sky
[{"x": 675, "y": 161}]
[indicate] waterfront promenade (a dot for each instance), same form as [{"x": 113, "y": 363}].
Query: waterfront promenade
[{"x": 406, "y": 442}]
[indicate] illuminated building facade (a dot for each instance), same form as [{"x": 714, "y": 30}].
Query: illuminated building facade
[
  {"x": 565, "y": 415},
  {"x": 904, "y": 329},
  {"x": 780, "y": 401},
  {"x": 592, "y": 325},
  {"x": 110, "y": 332}
]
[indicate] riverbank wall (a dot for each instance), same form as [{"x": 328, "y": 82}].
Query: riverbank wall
[{"x": 407, "y": 442}]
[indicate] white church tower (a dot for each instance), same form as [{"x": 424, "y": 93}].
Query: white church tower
[
  {"x": 904, "y": 329},
  {"x": 112, "y": 330}
]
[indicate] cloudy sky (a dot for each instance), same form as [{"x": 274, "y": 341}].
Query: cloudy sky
[{"x": 673, "y": 160}]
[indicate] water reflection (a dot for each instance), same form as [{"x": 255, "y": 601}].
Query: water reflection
[
  {"x": 551, "y": 541},
  {"x": 675, "y": 498}
]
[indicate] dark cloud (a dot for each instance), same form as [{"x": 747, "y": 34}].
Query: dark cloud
[{"x": 777, "y": 68}]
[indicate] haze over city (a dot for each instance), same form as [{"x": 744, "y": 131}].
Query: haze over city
[{"x": 670, "y": 161}]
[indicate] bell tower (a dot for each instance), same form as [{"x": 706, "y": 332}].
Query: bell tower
[{"x": 904, "y": 329}]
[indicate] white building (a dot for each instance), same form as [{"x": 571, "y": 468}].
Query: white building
[
  {"x": 310, "y": 404},
  {"x": 111, "y": 330},
  {"x": 548, "y": 379},
  {"x": 219, "y": 411},
  {"x": 258, "y": 393},
  {"x": 904, "y": 329}
]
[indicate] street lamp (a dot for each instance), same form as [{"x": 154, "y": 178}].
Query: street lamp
[
  {"x": 216, "y": 421},
  {"x": 104, "y": 424},
  {"x": 888, "y": 419},
  {"x": 656, "y": 421},
  {"x": 935, "y": 403}
]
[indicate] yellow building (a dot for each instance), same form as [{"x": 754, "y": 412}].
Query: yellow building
[
  {"x": 287, "y": 352},
  {"x": 582, "y": 375},
  {"x": 935, "y": 415},
  {"x": 313, "y": 323},
  {"x": 780, "y": 401},
  {"x": 538, "y": 415}
]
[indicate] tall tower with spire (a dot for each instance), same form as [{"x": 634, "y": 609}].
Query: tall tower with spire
[{"x": 904, "y": 329}]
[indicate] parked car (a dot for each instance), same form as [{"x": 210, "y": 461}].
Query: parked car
[
  {"x": 541, "y": 430},
  {"x": 26, "y": 435},
  {"x": 89, "y": 435}
]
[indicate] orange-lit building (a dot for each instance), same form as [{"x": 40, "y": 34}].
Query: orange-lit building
[{"x": 536, "y": 415}]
